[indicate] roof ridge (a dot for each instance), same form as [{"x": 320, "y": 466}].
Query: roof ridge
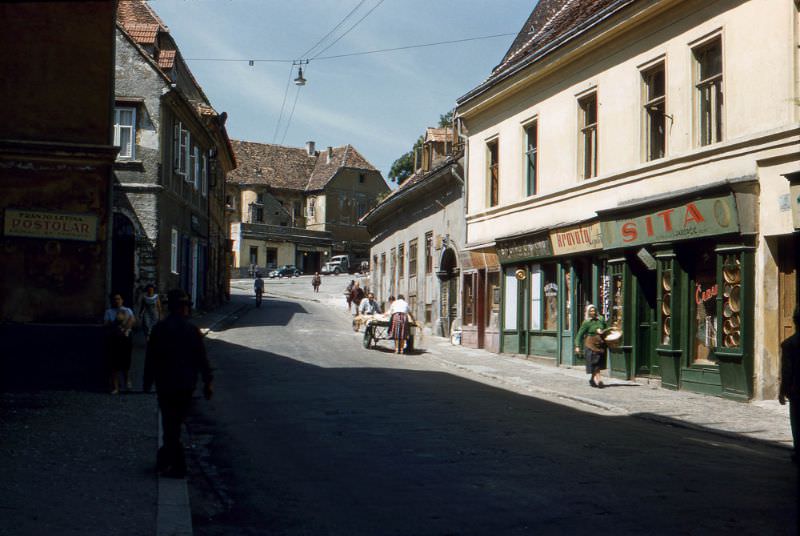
[{"x": 539, "y": 32}]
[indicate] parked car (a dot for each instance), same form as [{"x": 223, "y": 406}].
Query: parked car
[{"x": 287, "y": 270}]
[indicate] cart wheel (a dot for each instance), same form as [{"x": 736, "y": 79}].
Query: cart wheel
[
  {"x": 367, "y": 337},
  {"x": 410, "y": 344}
]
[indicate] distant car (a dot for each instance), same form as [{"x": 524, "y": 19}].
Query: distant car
[{"x": 287, "y": 270}]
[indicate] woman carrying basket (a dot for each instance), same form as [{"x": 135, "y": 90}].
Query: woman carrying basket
[
  {"x": 590, "y": 339},
  {"x": 398, "y": 328}
]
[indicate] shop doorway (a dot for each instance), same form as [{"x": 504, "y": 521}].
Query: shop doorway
[
  {"x": 577, "y": 287},
  {"x": 646, "y": 321},
  {"x": 787, "y": 283},
  {"x": 123, "y": 248}
]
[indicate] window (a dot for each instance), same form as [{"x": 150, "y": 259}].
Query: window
[
  {"x": 125, "y": 132},
  {"x": 173, "y": 251},
  {"x": 374, "y": 263},
  {"x": 469, "y": 299},
  {"x": 401, "y": 260},
  {"x": 708, "y": 76},
  {"x": 254, "y": 255},
  {"x": 587, "y": 107},
  {"x": 204, "y": 174},
  {"x": 361, "y": 178},
  {"x": 311, "y": 207},
  {"x": 544, "y": 298},
  {"x": 194, "y": 166},
  {"x": 655, "y": 112},
  {"x": 493, "y": 173},
  {"x": 510, "y": 301},
  {"x": 492, "y": 315},
  {"x": 531, "y": 157},
  {"x": 429, "y": 252},
  {"x": 412, "y": 258},
  {"x": 258, "y": 215},
  {"x": 182, "y": 147},
  {"x": 296, "y": 211}
]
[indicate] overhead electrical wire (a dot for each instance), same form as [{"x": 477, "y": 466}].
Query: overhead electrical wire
[
  {"x": 283, "y": 105},
  {"x": 349, "y": 29},
  {"x": 377, "y": 51},
  {"x": 324, "y": 37}
]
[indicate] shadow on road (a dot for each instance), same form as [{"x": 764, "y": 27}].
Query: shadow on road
[
  {"x": 288, "y": 447},
  {"x": 273, "y": 312}
]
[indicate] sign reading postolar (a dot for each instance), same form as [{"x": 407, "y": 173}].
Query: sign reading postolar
[
  {"x": 691, "y": 219},
  {"x": 50, "y": 225}
]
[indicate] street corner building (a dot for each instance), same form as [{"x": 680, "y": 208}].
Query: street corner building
[
  {"x": 417, "y": 235},
  {"x": 643, "y": 156},
  {"x": 56, "y": 158},
  {"x": 169, "y": 219},
  {"x": 298, "y": 206}
]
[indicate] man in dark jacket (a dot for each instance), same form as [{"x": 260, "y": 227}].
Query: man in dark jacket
[
  {"x": 790, "y": 381},
  {"x": 175, "y": 356}
]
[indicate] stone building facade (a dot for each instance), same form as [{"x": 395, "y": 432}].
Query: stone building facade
[{"x": 170, "y": 223}]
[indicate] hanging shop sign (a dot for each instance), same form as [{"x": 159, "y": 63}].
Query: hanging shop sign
[
  {"x": 691, "y": 219},
  {"x": 576, "y": 239},
  {"x": 524, "y": 249},
  {"x": 50, "y": 225}
]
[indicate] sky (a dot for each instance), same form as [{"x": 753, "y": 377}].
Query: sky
[{"x": 378, "y": 103}]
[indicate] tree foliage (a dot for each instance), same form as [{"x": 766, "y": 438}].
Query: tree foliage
[
  {"x": 403, "y": 167},
  {"x": 446, "y": 120}
]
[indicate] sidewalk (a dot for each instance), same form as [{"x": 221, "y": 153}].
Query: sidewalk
[{"x": 82, "y": 463}]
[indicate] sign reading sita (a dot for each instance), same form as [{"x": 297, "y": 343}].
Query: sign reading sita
[
  {"x": 692, "y": 219},
  {"x": 52, "y": 225}
]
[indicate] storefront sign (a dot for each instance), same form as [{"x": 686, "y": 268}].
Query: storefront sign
[
  {"x": 693, "y": 219},
  {"x": 522, "y": 250},
  {"x": 576, "y": 239},
  {"x": 50, "y": 225}
]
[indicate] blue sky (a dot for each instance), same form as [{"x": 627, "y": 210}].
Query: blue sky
[{"x": 379, "y": 103}]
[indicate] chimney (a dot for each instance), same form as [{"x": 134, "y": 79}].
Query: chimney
[
  {"x": 310, "y": 148},
  {"x": 330, "y": 155}
]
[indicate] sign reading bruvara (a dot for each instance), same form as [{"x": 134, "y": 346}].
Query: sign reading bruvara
[
  {"x": 690, "y": 219},
  {"x": 576, "y": 239},
  {"x": 50, "y": 225}
]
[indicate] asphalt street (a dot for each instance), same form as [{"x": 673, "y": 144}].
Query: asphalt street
[{"x": 309, "y": 433}]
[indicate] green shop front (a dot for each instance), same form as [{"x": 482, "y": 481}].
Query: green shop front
[
  {"x": 548, "y": 278},
  {"x": 680, "y": 284}
]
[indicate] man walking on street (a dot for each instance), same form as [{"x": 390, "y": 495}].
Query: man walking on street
[
  {"x": 175, "y": 356},
  {"x": 790, "y": 381}
]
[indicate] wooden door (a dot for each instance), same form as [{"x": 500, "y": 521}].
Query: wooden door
[{"x": 787, "y": 283}]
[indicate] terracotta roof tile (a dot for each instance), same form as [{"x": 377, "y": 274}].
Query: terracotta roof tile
[
  {"x": 549, "y": 20},
  {"x": 341, "y": 157},
  {"x": 141, "y": 32},
  {"x": 137, "y": 11},
  {"x": 439, "y": 134},
  {"x": 273, "y": 165},
  {"x": 166, "y": 59}
]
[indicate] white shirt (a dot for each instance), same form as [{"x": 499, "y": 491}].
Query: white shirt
[
  {"x": 368, "y": 307},
  {"x": 398, "y": 306}
]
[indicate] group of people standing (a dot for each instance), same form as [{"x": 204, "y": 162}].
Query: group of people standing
[{"x": 174, "y": 358}]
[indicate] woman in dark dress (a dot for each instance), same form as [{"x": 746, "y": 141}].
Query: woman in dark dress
[{"x": 590, "y": 340}]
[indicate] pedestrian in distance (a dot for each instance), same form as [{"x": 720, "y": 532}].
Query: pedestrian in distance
[
  {"x": 400, "y": 316},
  {"x": 348, "y": 295},
  {"x": 790, "y": 382},
  {"x": 356, "y": 294},
  {"x": 316, "y": 281},
  {"x": 119, "y": 321},
  {"x": 176, "y": 355},
  {"x": 590, "y": 339},
  {"x": 149, "y": 309},
  {"x": 258, "y": 288},
  {"x": 369, "y": 306}
]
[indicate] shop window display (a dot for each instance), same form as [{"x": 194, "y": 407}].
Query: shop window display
[
  {"x": 704, "y": 296},
  {"x": 666, "y": 305},
  {"x": 510, "y": 311},
  {"x": 731, "y": 301},
  {"x": 550, "y": 291}
]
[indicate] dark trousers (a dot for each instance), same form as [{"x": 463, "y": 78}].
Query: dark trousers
[
  {"x": 794, "y": 415},
  {"x": 174, "y": 406}
]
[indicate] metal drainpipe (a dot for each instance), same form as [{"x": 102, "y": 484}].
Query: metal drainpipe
[{"x": 465, "y": 181}]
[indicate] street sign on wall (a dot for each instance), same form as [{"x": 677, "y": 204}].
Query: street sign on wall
[{"x": 50, "y": 225}]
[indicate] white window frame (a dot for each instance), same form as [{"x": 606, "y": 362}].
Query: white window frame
[
  {"x": 587, "y": 134},
  {"x": 173, "y": 257},
  {"x": 129, "y": 152},
  {"x": 204, "y": 175},
  {"x": 531, "y": 157},
  {"x": 195, "y": 167},
  {"x": 709, "y": 94},
  {"x": 654, "y": 112}
]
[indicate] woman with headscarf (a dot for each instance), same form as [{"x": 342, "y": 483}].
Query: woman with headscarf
[{"x": 590, "y": 339}]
